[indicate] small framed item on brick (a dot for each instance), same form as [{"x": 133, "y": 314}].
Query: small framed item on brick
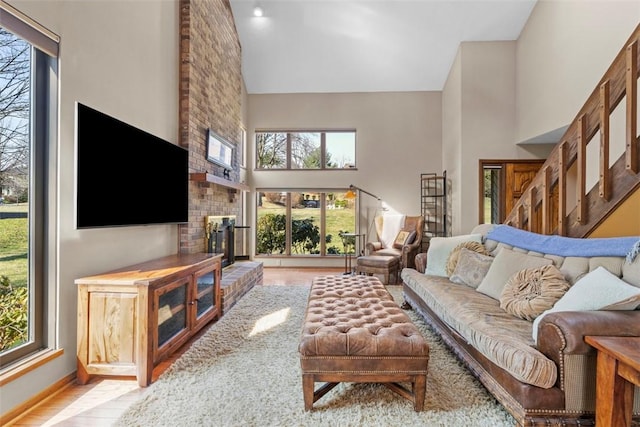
[{"x": 219, "y": 150}]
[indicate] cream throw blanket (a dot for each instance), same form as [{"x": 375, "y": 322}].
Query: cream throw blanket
[{"x": 391, "y": 225}]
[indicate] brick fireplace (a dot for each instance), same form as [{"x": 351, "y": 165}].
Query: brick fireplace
[
  {"x": 220, "y": 237},
  {"x": 210, "y": 95}
]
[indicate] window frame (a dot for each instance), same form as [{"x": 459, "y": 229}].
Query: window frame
[
  {"x": 42, "y": 190},
  {"x": 288, "y": 208},
  {"x": 288, "y": 149}
]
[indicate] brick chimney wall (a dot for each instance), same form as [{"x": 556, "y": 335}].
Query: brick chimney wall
[{"x": 210, "y": 97}]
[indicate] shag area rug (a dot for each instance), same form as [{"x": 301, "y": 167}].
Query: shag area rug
[{"x": 245, "y": 371}]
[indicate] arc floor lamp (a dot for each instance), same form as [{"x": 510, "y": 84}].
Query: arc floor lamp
[{"x": 352, "y": 193}]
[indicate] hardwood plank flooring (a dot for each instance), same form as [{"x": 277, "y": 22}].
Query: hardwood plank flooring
[{"x": 100, "y": 402}]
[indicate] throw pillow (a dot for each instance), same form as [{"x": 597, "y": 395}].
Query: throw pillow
[
  {"x": 597, "y": 290},
  {"x": 471, "y": 268},
  {"x": 404, "y": 237},
  {"x": 439, "y": 250},
  {"x": 506, "y": 264},
  {"x": 455, "y": 253},
  {"x": 531, "y": 291}
]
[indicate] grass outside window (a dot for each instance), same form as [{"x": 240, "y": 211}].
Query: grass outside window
[{"x": 13, "y": 277}]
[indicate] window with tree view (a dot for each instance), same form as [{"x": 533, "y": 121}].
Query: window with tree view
[
  {"x": 27, "y": 127},
  {"x": 306, "y": 150},
  {"x": 304, "y": 222},
  {"x": 15, "y": 68}
]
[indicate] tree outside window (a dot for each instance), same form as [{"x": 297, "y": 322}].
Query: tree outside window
[
  {"x": 15, "y": 72},
  {"x": 271, "y": 150},
  {"x": 305, "y": 150},
  {"x": 28, "y": 129}
]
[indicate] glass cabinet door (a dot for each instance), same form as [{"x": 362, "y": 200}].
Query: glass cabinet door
[
  {"x": 172, "y": 302},
  {"x": 205, "y": 294}
]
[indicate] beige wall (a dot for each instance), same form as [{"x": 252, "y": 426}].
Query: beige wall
[
  {"x": 121, "y": 58},
  {"x": 479, "y": 119},
  {"x": 452, "y": 141},
  {"x": 563, "y": 51},
  {"x": 501, "y": 93},
  {"x": 398, "y": 137}
]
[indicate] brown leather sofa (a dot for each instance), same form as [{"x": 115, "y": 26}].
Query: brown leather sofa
[{"x": 569, "y": 397}]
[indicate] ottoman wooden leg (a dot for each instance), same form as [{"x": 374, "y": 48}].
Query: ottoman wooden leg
[
  {"x": 308, "y": 386},
  {"x": 419, "y": 392}
]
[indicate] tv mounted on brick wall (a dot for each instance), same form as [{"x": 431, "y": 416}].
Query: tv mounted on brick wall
[{"x": 126, "y": 176}]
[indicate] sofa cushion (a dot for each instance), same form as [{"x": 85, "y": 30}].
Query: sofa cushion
[
  {"x": 455, "y": 254},
  {"x": 471, "y": 268},
  {"x": 502, "y": 338},
  {"x": 611, "y": 264},
  {"x": 597, "y": 290},
  {"x": 439, "y": 250},
  {"x": 631, "y": 272},
  {"x": 505, "y": 265},
  {"x": 531, "y": 291},
  {"x": 389, "y": 252},
  {"x": 483, "y": 229},
  {"x": 574, "y": 268}
]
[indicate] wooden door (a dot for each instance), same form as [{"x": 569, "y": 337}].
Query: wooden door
[
  {"x": 517, "y": 178},
  {"x": 508, "y": 182}
]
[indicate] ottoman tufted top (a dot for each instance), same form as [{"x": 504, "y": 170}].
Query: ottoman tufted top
[
  {"x": 357, "y": 318},
  {"x": 348, "y": 286}
]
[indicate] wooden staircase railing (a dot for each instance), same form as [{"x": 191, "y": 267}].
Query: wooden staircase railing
[{"x": 543, "y": 207}]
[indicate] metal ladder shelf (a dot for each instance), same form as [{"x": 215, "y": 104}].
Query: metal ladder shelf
[{"x": 433, "y": 204}]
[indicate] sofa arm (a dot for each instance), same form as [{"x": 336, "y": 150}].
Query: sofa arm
[
  {"x": 421, "y": 262},
  {"x": 561, "y": 339},
  {"x": 562, "y": 333}
]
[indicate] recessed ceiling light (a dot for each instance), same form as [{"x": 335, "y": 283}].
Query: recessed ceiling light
[{"x": 258, "y": 12}]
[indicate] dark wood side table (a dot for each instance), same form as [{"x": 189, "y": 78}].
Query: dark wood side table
[
  {"x": 347, "y": 238},
  {"x": 618, "y": 372}
]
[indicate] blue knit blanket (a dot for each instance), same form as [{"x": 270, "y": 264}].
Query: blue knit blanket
[{"x": 565, "y": 246}]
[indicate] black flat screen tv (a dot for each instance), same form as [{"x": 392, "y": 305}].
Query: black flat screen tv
[{"x": 126, "y": 176}]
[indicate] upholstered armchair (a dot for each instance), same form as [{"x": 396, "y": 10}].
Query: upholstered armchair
[{"x": 398, "y": 239}]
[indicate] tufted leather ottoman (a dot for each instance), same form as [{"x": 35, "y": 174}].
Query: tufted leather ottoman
[
  {"x": 386, "y": 265},
  {"x": 354, "y": 332}
]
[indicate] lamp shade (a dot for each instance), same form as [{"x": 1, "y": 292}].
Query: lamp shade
[{"x": 350, "y": 194}]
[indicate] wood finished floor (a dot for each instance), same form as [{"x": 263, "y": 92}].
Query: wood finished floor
[{"x": 101, "y": 401}]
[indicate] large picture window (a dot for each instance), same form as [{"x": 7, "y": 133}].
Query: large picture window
[
  {"x": 305, "y": 150},
  {"x": 303, "y": 223},
  {"x": 28, "y": 68}
]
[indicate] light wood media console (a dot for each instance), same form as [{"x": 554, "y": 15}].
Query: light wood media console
[{"x": 132, "y": 318}]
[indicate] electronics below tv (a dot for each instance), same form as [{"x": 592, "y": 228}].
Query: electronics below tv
[{"x": 126, "y": 176}]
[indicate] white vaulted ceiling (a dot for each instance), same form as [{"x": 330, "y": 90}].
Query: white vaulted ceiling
[{"x": 308, "y": 46}]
